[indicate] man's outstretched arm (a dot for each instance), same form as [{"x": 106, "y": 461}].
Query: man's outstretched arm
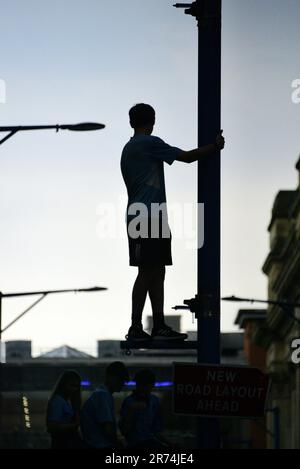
[{"x": 195, "y": 155}]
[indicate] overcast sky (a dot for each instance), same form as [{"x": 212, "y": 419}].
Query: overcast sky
[{"x": 67, "y": 61}]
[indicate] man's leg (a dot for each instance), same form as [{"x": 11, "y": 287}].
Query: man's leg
[
  {"x": 156, "y": 294},
  {"x": 139, "y": 294}
]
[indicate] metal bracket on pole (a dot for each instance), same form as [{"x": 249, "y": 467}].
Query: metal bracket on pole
[
  {"x": 201, "y": 306},
  {"x": 23, "y": 314},
  {"x": 200, "y": 10},
  {"x": 13, "y": 132}
]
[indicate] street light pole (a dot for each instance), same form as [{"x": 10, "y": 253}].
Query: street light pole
[
  {"x": 206, "y": 305},
  {"x": 35, "y": 293},
  {"x": 209, "y": 188}
]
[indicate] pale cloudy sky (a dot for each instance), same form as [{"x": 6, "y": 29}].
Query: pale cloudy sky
[{"x": 71, "y": 61}]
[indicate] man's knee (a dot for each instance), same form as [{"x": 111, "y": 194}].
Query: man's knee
[{"x": 152, "y": 272}]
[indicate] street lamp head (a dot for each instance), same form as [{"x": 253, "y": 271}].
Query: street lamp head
[
  {"x": 83, "y": 127},
  {"x": 231, "y": 298}
]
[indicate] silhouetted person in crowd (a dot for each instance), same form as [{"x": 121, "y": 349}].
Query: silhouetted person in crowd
[
  {"x": 149, "y": 235},
  {"x": 98, "y": 421},
  {"x": 63, "y": 412},
  {"x": 141, "y": 416}
]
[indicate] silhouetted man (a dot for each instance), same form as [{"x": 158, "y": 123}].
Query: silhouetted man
[
  {"x": 98, "y": 422},
  {"x": 148, "y": 232},
  {"x": 141, "y": 416}
]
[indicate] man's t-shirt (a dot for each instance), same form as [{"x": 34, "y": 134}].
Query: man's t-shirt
[
  {"x": 148, "y": 422},
  {"x": 99, "y": 408},
  {"x": 142, "y": 169}
]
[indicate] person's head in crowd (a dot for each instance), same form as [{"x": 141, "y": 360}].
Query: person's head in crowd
[
  {"x": 144, "y": 382},
  {"x": 69, "y": 387},
  {"x": 116, "y": 375}
]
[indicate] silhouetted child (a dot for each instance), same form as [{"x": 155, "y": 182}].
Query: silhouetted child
[
  {"x": 63, "y": 411},
  {"x": 149, "y": 235},
  {"x": 141, "y": 416}
]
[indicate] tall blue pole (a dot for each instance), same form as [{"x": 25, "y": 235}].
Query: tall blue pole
[
  {"x": 209, "y": 189},
  {"x": 206, "y": 305}
]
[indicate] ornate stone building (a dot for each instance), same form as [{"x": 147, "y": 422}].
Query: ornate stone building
[{"x": 275, "y": 335}]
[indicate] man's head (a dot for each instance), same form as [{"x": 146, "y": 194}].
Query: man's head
[
  {"x": 144, "y": 381},
  {"x": 115, "y": 376},
  {"x": 142, "y": 118}
]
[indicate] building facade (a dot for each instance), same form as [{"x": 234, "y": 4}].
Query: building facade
[{"x": 276, "y": 333}]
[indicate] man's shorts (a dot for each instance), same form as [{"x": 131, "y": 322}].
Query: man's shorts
[{"x": 150, "y": 251}]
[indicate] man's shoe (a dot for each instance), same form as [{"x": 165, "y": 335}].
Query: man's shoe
[
  {"x": 136, "y": 334},
  {"x": 167, "y": 333}
]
